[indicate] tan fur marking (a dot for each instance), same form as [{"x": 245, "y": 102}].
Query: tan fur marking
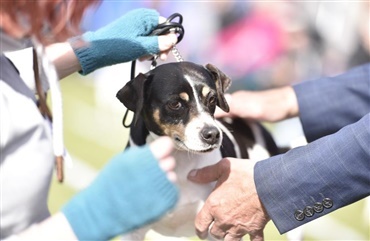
[
  {"x": 205, "y": 91},
  {"x": 168, "y": 129},
  {"x": 184, "y": 96},
  {"x": 176, "y": 130},
  {"x": 156, "y": 117}
]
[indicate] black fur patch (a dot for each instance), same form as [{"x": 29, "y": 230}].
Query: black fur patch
[{"x": 227, "y": 147}]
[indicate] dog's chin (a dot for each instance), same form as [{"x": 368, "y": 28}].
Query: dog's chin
[{"x": 180, "y": 145}]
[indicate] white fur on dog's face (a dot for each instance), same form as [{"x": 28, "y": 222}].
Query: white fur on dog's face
[{"x": 191, "y": 139}]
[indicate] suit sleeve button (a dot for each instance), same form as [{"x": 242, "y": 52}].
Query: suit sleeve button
[
  {"x": 327, "y": 202},
  {"x": 308, "y": 211},
  {"x": 318, "y": 207},
  {"x": 299, "y": 215}
]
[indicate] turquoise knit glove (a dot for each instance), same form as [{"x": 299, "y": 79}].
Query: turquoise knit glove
[
  {"x": 130, "y": 191},
  {"x": 120, "y": 41}
]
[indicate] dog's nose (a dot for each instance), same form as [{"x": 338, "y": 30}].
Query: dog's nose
[{"x": 210, "y": 135}]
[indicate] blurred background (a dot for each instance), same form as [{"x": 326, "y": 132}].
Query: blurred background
[{"x": 259, "y": 44}]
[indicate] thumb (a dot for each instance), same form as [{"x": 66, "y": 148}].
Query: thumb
[
  {"x": 165, "y": 42},
  {"x": 162, "y": 147},
  {"x": 220, "y": 113},
  {"x": 206, "y": 174},
  {"x": 257, "y": 236}
]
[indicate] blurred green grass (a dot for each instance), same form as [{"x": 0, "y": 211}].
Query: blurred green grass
[
  {"x": 77, "y": 89},
  {"x": 104, "y": 138}
]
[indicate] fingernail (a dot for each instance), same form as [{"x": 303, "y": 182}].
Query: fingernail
[
  {"x": 202, "y": 235},
  {"x": 192, "y": 173}
]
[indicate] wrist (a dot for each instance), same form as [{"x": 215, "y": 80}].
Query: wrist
[
  {"x": 63, "y": 58},
  {"x": 123, "y": 40},
  {"x": 56, "y": 226},
  {"x": 289, "y": 100},
  {"x": 130, "y": 192}
]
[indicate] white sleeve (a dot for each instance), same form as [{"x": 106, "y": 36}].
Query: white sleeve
[{"x": 23, "y": 61}]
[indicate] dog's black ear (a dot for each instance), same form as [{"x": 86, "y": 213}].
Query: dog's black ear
[
  {"x": 223, "y": 82},
  {"x": 132, "y": 94}
]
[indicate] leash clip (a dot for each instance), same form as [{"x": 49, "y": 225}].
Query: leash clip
[{"x": 154, "y": 62}]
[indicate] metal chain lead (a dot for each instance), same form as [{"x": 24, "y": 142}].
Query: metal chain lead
[{"x": 176, "y": 54}]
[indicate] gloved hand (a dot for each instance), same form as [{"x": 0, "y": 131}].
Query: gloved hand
[
  {"x": 123, "y": 40},
  {"x": 131, "y": 191}
]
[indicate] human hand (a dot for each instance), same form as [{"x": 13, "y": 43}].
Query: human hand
[
  {"x": 165, "y": 43},
  {"x": 162, "y": 149},
  {"x": 131, "y": 190},
  {"x": 233, "y": 209},
  {"x": 123, "y": 40},
  {"x": 268, "y": 105}
]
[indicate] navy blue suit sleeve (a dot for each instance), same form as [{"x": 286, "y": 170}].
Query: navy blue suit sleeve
[
  {"x": 328, "y": 104},
  {"x": 334, "y": 112},
  {"x": 336, "y": 166}
]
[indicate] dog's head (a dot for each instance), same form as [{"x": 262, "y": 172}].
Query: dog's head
[{"x": 179, "y": 100}]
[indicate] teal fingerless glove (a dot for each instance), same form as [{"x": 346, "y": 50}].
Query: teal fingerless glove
[
  {"x": 130, "y": 191},
  {"x": 123, "y": 40}
]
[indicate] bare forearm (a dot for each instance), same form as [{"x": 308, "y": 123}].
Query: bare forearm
[
  {"x": 64, "y": 59},
  {"x": 54, "y": 227}
]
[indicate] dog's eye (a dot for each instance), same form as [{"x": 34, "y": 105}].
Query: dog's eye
[
  {"x": 176, "y": 105},
  {"x": 212, "y": 100}
]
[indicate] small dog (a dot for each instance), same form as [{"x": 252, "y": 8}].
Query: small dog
[{"x": 179, "y": 100}]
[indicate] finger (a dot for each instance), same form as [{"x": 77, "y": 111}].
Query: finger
[
  {"x": 256, "y": 236},
  {"x": 220, "y": 113},
  {"x": 228, "y": 98},
  {"x": 161, "y": 19},
  {"x": 202, "y": 222},
  {"x": 162, "y": 147},
  {"x": 210, "y": 173},
  {"x": 172, "y": 176},
  {"x": 216, "y": 231},
  {"x": 167, "y": 164},
  {"x": 165, "y": 42},
  {"x": 230, "y": 237},
  {"x": 145, "y": 57},
  {"x": 163, "y": 55}
]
